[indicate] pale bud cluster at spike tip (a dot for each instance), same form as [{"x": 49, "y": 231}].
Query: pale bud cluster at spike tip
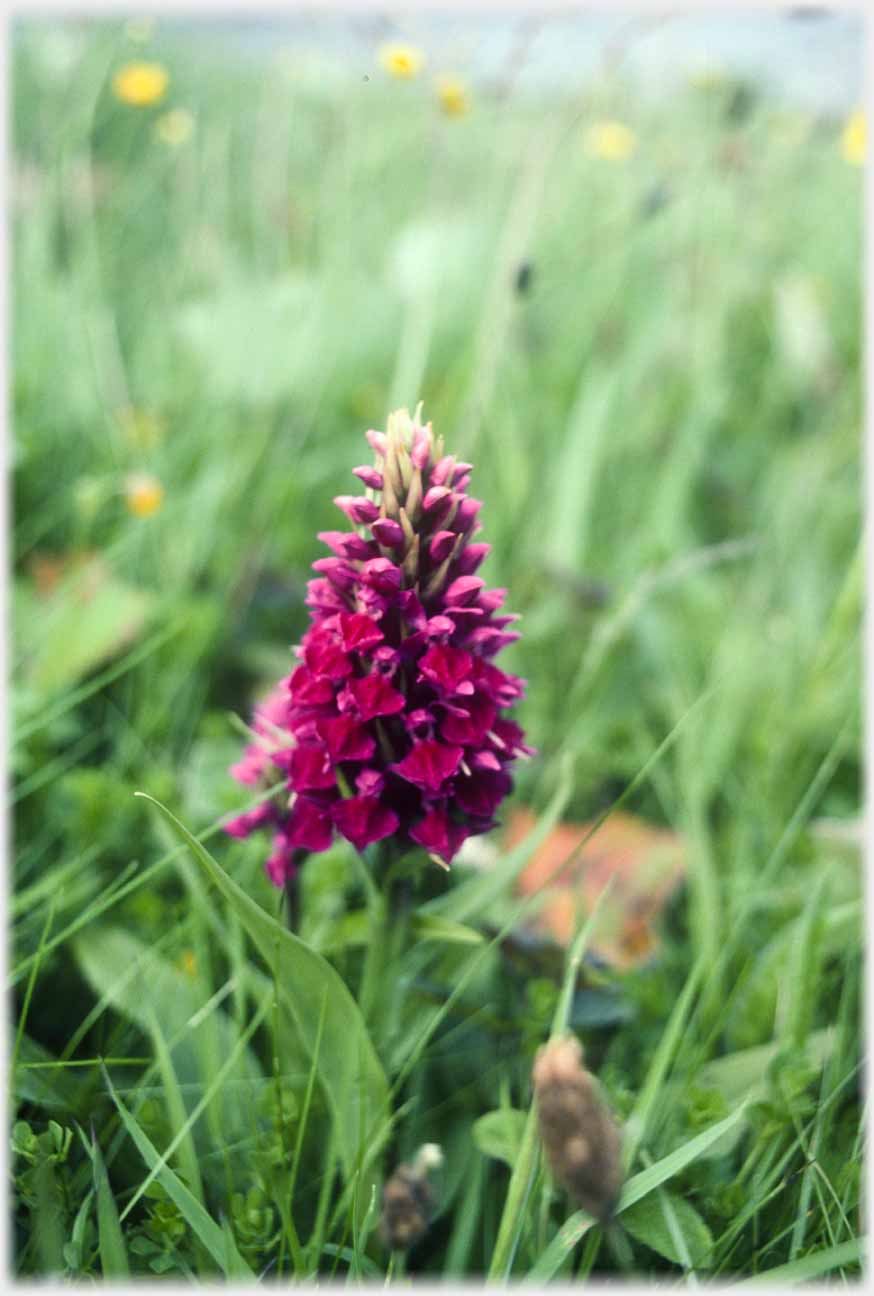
[{"x": 393, "y": 724}]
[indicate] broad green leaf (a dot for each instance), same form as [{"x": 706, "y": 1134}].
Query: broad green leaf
[
  {"x": 350, "y": 929},
  {"x": 499, "y": 1133},
  {"x": 118, "y": 966},
  {"x": 645, "y": 1220},
  {"x": 113, "y": 1256},
  {"x": 350, "y": 1072},
  {"x": 742, "y": 1074},
  {"x": 201, "y": 1223}
]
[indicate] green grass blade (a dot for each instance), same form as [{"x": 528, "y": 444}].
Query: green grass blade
[
  {"x": 113, "y": 1255},
  {"x": 176, "y": 1107},
  {"x": 640, "y": 1186},
  {"x": 512, "y": 1219},
  {"x": 804, "y": 968},
  {"x": 201, "y": 1223},
  {"x": 651, "y": 1178},
  {"x": 215, "y": 1086},
  {"x": 641, "y": 1114},
  {"x": 304, "y": 978},
  {"x": 810, "y": 1266}
]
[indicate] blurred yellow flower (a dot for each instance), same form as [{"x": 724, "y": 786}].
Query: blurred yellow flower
[
  {"x": 175, "y": 127},
  {"x": 610, "y": 140},
  {"x": 140, "y": 84},
  {"x": 401, "y": 60},
  {"x": 854, "y": 139},
  {"x": 143, "y": 494},
  {"x": 453, "y": 96},
  {"x": 188, "y": 963}
]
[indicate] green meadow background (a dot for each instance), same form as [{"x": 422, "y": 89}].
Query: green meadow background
[{"x": 653, "y": 363}]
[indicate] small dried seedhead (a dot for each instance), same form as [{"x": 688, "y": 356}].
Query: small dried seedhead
[
  {"x": 580, "y": 1139},
  {"x": 408, "y": 1201}
]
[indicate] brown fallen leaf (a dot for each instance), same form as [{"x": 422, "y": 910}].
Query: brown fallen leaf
[{"x": 646, "y": 864}]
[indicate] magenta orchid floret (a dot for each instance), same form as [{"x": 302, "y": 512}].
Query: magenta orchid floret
[{"x": 390, "y": 726}]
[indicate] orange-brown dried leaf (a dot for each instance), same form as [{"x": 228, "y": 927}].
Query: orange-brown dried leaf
[{"x": 645, "y": 863}]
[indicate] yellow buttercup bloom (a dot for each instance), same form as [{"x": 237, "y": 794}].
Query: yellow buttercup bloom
[
  {"x": 453, "y": 96},
  {"x": 402, "y": 60},
  {"x": 140, "y": 84},
  {"x": 143, "y": 494},
  {"x": 175, "y": 127},
  {"x": 854, "y": 139},
  {"x": 610, "y": 141}
]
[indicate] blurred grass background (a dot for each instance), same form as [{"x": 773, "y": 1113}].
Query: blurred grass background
[{"x": 650, "y": 350}]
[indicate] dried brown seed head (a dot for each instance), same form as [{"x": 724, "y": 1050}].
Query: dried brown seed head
[
  {"x": 407, "y": 1200},
  {"x": 580, "y": 1139}
]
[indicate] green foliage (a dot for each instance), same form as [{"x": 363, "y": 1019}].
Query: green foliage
[
  {"x": 499, "y": 1134},
  {"x": 665, "y": 424}
]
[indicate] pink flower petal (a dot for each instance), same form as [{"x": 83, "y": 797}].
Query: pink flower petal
[
  {"x": 358, "y": 508},
  {"x": 347, "y": 544},
  {"x": 337, "y": 571},
  {"x": 359, "y": 632},
  {"x": 439, "y": 835},
  {"x": 440, "y": 545},
  {"x": 434, "y": 496},
  {"x": 371, "y": 477},
  {"x": 310, "y": 768},
  {"x": 322, "y": 596},
  {"x": 387, "y": 532},
  {"x": 482, "y": 793},
  {"x": 376, "y": 697},
  {"x": 347, "y": 740},
  {"x": 326, "y": 658},
  {"x": 470, "y": 558},
  {"x": 464, "y": 590},
  {"x": 364, "y": 819},
  {"x": 247, "y": 823},
  {"x": 445, "y": 667},
  {"x": 429, "y": 764},
  {"x": 382, "y": 574},
  {"x": 478, "y": 719},
  {"x": 309, "y": 825},
  {"x": 420, "y": 451},
  {"x": 370, "y": 782},
  {"x": 308, "y": 689}
]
